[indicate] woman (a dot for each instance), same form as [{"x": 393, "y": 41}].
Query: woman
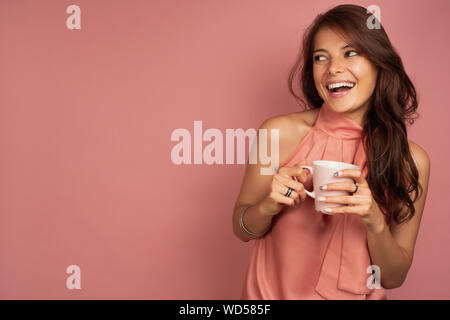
[{"x": 359, "y": 97}]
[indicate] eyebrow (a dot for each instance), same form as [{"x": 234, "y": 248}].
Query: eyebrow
[{"x": 344, "y": 47}]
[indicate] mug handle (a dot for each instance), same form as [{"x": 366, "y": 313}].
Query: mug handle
[{"x": 309, "y": 193}]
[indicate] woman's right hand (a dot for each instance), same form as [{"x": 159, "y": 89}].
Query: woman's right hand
[{"x": 274, "y": 202}]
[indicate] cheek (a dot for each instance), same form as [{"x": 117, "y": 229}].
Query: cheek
[
  {"x": 317, "y": 75},
  {"x": 365, "y": 74}
]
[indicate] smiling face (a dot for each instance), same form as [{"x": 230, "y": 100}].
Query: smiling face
[{"x": 352, "y": 76}]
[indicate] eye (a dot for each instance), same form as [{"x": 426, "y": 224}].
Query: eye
[
  {"x": 352, "y": 53},
  {"x": 319, "y": 58}
]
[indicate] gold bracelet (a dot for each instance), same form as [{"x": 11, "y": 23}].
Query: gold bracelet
[{"x": 241, "y": 223}]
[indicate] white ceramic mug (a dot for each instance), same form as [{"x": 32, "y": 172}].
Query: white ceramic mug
[{"x": 323, "y": 173}]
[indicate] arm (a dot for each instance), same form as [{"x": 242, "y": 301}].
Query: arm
[
  {"x": 392, "y": 249},
  {"x": 255, "y": 186},
  {"x": 253, "y": 220}
]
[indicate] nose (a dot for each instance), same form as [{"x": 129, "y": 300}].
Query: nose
[{"x": 336, "y": 66}]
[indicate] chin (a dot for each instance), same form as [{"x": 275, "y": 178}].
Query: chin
[{"x": 339, "y": 106}]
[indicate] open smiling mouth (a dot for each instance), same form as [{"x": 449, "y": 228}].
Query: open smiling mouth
[{"x": 337, "y": 90}]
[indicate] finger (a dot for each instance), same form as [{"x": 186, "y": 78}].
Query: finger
[
  {"x": 282, "y": 199},
  {"x": 281, "y": 189},
  {"x": 355, "y": 174},
  {"x": 297, "y": 186},
  {"x": 346, "y": 186},
  {"x": 301, "y": 163},
  {"x": 344, "y": 210},
  {"x": 304, "y": 175},
  {"x": 340, "y": 199},
  {"x": 302, "y": 195},
  {"x": 294, "y": 172},
  {"x": 303, "y": 172}
]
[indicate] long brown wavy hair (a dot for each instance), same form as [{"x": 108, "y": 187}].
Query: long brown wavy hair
[{"x": 392, "y": 173}]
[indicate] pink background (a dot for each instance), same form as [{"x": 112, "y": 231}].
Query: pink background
[{"x": 86, "y": 118}]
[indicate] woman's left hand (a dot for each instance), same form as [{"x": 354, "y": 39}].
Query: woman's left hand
[{"x": 361, "y": 202}]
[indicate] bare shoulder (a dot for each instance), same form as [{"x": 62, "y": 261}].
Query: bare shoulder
[
  {"x": 293, "y": 127},
  {"x": 292, "y": 124},
  {"x": 420, "y": 156},
  {"x": 307, "y": 117}
]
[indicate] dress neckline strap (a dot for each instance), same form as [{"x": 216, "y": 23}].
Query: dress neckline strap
[{"x": 337, "y": 125}]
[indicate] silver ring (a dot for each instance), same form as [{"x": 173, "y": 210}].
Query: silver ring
[
  {"x": 288, "y": 193},
  {"x": 356, "y": 189}
]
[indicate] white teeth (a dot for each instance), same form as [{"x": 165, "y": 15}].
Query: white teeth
[{"x": 341, "y": 84}]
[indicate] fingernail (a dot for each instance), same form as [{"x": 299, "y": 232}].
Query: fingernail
[
  {"x": 321, "y": 198},
  {"x": 324, "y": 187},
  {"x": 337, "y": 174},
  {"x": 328, "y": 210}
]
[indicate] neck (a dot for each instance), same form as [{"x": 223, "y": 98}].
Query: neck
[{"x": 359, "y": 115}]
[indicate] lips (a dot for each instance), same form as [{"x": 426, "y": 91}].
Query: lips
[
  {"x": 342, "y": 92},
  {"x": 338, "y": 81}
]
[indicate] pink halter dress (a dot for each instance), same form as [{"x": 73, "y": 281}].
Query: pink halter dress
[{"x": 307, "y": 254}]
